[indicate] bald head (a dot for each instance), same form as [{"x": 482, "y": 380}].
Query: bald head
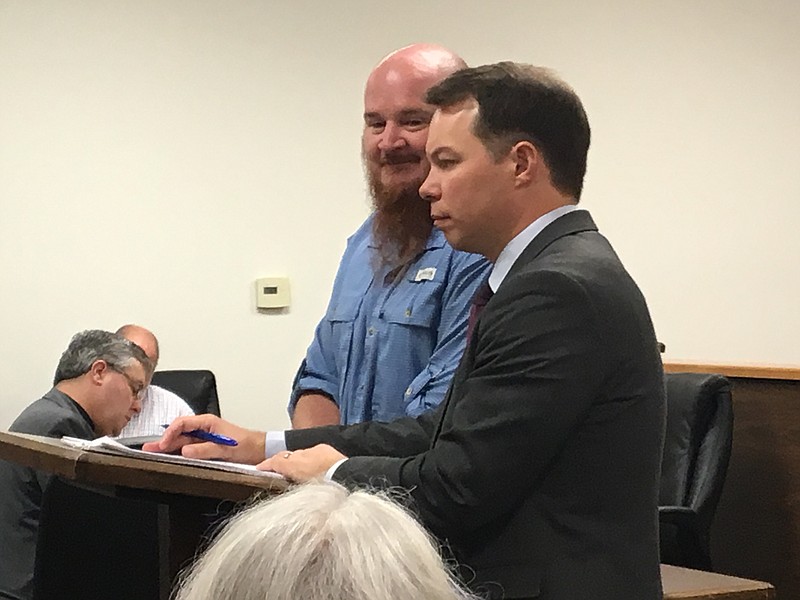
[
  {"x": 143, "y": 338},
  {"x": 427, "y": 61},
  {"x": 396, "y": 115}
]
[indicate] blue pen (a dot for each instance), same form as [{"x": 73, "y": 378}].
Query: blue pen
[{"x": 207, "y": 436}]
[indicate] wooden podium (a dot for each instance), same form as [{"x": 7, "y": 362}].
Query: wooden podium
[{"x": 184, "y": 491}]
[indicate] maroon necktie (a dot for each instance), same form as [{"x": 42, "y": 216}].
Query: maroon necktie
[{"x": 479, "y": 300}]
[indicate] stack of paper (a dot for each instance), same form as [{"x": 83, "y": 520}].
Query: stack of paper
[{"x": 108, "y": 445}]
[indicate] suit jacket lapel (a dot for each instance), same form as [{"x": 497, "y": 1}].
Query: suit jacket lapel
[{"x": 568, "y": 224}]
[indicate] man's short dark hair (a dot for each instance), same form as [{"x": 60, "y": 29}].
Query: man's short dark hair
[{"x": 519, "y": 102}]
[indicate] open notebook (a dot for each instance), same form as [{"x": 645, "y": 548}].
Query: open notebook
[{"x": 108, "y": 445}]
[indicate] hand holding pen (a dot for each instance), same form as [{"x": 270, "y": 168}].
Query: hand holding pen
[{"x": 209, "y": 437}]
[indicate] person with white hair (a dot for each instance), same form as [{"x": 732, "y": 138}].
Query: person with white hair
[{"x": 321, "y": 542}]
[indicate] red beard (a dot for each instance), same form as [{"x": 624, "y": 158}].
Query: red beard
[{"x": 402, "y": 222}]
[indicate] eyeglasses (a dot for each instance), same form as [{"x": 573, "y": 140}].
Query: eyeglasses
[{"x": 138, "y": 388}]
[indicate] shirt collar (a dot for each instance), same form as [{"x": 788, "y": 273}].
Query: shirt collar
[{"x": 514, "y": 248}]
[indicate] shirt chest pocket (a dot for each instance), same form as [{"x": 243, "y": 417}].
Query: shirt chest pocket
[
  {"x": 343, "y": 312},
  {"x": 415, "y": 303},
  {"x": 341, "y": 321},
  {"x": 347, "y": 298}
]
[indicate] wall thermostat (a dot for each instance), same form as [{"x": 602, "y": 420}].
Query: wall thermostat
[{"x": 272, "y": 292}]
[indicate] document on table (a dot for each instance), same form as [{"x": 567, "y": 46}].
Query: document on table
[{"x": 108, "y": 445}]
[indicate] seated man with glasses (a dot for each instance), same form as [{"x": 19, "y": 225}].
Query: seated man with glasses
[{"x": 96, "y": 391}]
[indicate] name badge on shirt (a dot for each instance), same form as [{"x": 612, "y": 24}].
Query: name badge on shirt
[{"x": 426, "y": 274}]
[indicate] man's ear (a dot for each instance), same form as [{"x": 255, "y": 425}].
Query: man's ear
[
  {"x": 98, "y": 371},
  {"x": 527, "y": 163}
]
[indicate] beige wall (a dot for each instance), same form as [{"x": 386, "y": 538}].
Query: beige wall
[{"x": 157, "y": 156}]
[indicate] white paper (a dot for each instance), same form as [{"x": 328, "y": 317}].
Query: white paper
[{"x": 108, "y": 445}]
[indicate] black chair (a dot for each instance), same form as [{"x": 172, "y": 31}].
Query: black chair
[
  {"x": 93, "y": 546},
  {"x": 697, "y": 448},
  {"x": 197, "y": 387}
]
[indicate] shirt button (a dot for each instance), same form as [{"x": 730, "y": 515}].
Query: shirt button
[
  {"x": 408, "y": 312},
  {"x": 408, "y": 391},
  {"x": 371, "y": 331}
]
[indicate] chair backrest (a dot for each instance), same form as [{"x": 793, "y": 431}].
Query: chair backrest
[
  {"x": 197, "y": 387},
  {"x": 93, "y": 546},
  {"x": 697, "y": 445}
]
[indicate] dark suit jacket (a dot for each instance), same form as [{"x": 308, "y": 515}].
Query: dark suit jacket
[
  {"x": 541, "y": 467},
  {"x": 22, "y": 489}
]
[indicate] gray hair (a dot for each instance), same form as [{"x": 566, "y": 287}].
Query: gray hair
[
  {"x": 322, "y": 542},
  {"x": 92, "y": 345}
]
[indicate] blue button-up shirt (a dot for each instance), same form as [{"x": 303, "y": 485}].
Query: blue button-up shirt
[{"x": 386, "y": 350}]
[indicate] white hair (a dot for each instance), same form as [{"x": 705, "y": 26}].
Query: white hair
[{"x": 322, "y": 542}]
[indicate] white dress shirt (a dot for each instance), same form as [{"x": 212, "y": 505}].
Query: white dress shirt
[{"x": 159, "y": 407}]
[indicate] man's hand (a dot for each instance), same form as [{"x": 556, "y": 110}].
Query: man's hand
[
  {"x": 250, "y": 448},
  {"x": 303, "y": 465},
  {"x": 314, "y": 410}
]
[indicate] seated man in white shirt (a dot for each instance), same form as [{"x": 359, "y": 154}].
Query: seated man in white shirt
[{"x": 159, "y": 406}]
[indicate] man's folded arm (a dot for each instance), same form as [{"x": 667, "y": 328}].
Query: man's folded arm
[
  {"x": 312, "y": 402},
  {"x": 428, "y": 389},
  {"x": 314, "y": 409}
]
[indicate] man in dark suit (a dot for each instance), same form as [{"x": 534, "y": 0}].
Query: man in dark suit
[{"x": 541, "y": 467}]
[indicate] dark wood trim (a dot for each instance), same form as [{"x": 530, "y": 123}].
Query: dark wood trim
[{"x": 744, "y": 370}]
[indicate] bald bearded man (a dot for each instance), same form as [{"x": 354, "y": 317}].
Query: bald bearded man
[{"x": 395, "y": 327}]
